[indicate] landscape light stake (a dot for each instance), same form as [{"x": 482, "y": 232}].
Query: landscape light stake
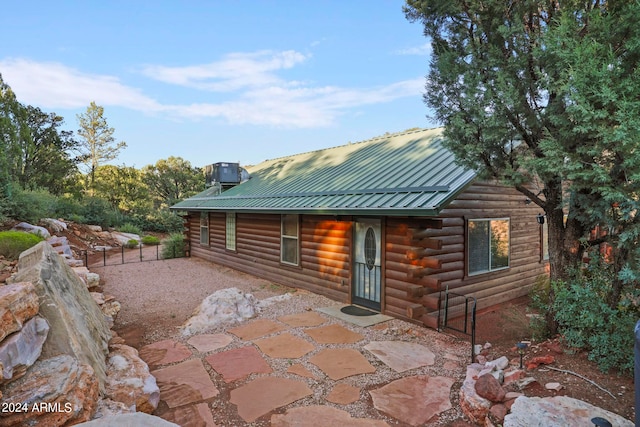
[
  {"x": 522, "y": 346},
  {"x": 601, "y": 422}
]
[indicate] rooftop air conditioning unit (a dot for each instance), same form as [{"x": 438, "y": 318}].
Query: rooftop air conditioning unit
[{"x": 223, "y": 173}]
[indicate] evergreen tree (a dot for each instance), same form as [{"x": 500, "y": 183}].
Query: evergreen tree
[
  {"x": 545, "y": 96},
  {"x": 98, "y": 144}
]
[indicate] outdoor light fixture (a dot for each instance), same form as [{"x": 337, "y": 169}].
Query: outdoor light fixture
[
  {"x": 601, "y": 422},
  {"x": 540, "y": 219},
  {"x": 522, "y": 346}
]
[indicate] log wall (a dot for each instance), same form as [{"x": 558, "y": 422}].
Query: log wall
[
  {"x": 421, "y": 255},
  {"x": 324, "y": 251}
]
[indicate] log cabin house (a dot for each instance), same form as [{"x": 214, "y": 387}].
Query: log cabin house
[{"x": 385, "y": 223}]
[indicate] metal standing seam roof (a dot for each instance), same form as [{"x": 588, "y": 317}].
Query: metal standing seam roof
[{"x": 401, "y": 174}]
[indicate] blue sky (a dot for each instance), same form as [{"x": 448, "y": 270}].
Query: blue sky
[{"x": 220, "y": 81}]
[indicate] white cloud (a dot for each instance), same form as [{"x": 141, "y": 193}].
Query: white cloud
[
  {"x": 423, "y": 50},
  {"x": 234, "y": 72},
  {"x": 254, "y": 93},
  {"x": 53, "y": 85}
]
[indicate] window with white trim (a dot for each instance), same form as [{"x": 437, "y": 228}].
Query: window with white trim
[
  {"x": 289, "y": 239},
  {"x": 204, "y": 228},
  {"x": 488, "y": 245},
  {"x": 230, "y": 234}
]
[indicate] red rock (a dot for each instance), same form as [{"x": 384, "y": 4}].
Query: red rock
[
  {"x": 263, "y": 395},
  {"x": 344, "y": 394},
  {"x": 164, "y": 352},
  {"x": 62, "y": 383},
  {"x": 320, "y": 416},
  {"x": 185, "y": 383},
  {"x": 487, "y": 386},
  {"x": 515, "y": 375},
  {"x": 340, "y": 363},
  {"x": 18, "y": 303},
  {"x": 540, "y": 360},
  {"x": 497, "y": 413}
]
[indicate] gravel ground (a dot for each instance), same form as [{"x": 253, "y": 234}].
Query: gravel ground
[{"x": 159, "y": 296}]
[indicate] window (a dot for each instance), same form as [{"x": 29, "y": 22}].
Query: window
[
  {"x": 488, "y": 245},
  {"x": 289, "y": 242},
  {"x": 230, "y": 240},
  {"x": 204, "y": 228}
]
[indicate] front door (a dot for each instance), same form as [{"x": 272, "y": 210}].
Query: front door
[{"x": 367, "y": 287}]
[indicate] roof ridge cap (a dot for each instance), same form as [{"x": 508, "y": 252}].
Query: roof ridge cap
[{"x": 386, "y": 135}]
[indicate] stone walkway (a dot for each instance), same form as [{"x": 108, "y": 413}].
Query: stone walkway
[{"x": 259, "y": 366}]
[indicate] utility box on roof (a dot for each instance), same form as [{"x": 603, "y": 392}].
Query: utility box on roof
[{"x": 223, "y": 173}]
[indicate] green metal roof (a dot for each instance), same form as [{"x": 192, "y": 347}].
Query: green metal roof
[{"x": 407, "y": 173}]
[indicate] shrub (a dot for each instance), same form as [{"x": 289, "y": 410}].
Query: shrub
[
  {"x": 99, "y": 211},
  {"x": 31, "y": 206},
  {"x": 128, "y": 227},
  {"x": 150, "y": 240},
  {"x": 13, "y": 243},
  {"x": 133, "y": 243},
  {"x": 587, "y": 322},
  {"x": 174, "y": 246},
  {"x": 539, "y": 295}
]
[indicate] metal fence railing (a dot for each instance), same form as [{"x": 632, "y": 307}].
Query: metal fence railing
[
  {"x": 123, "y": 255},
  {"x": 457, "y": 312}
]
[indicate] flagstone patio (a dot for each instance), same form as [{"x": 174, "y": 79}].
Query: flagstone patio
[{"x": 266, "y": 364}]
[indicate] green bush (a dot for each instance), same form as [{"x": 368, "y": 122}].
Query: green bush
[
  {"x": 128, "y": 227},
  {"x": 131, "y": 244},
  {"x": 31, "y": 206},
  {"x": 150, "y": 241},
  {"x": 162, "y": 221},
  {"x": 13, "y": 243},
  {"x": 586, "y": 322},
  {"x": 174, "y": 246},
  {"x": 99, "y": 211}
]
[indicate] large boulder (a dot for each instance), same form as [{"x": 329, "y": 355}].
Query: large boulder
[
  {"x": 22, "y": 349},
  {"x": 78, "y": 327},
  {"x": 129, "y": 380},
  {"x": 225, "y": 305},
  {"x": 558, "y": 411},
  {"x": 18, "y": 303},
  {"x": 55, "y": 392}
]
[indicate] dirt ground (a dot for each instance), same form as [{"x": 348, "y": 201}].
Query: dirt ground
[{"x": 508, "y": 324}]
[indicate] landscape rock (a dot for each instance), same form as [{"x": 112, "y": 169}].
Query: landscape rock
[
  {"x": 129, "y": 380},
  {"x": 473, "y": 405},
  {"x": 123, "y": 238},
  {"x": 497, "y": 413},
  {"x": 498, "y": 364},
  {"x": 513, "y": 375},
  {"x": 54, "y": 225},
  {"x": 33, "y": 229},
  {"x": 489, "y": 387},
  {"x": 21, "y": 349},
  {"x": 226, "y": 305},
  {"x": 558, "y": 411},
  {"x": 553, "y": 386},
  {"x": 540, "y": 360},
  {"x": 18, "y": 303},
  {"x": 78, "y": 327},
  {"x": 129, "y": 420},
  {"x": 55, "y": 392}
]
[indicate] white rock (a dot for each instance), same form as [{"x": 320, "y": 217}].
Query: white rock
[
  {"x": 54, "y": 224},
  {"x": 498, "y": 364},
  {"x": 553, "y": 386},
  {"x": 557, "y": 411},
  {"x": 33, "y": 229},
  {"x": 226, "y": 305}
]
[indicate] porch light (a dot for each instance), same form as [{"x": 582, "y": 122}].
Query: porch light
[
  {"x": 540, "y": 219},
  {"x": 522, "y": 346}
]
